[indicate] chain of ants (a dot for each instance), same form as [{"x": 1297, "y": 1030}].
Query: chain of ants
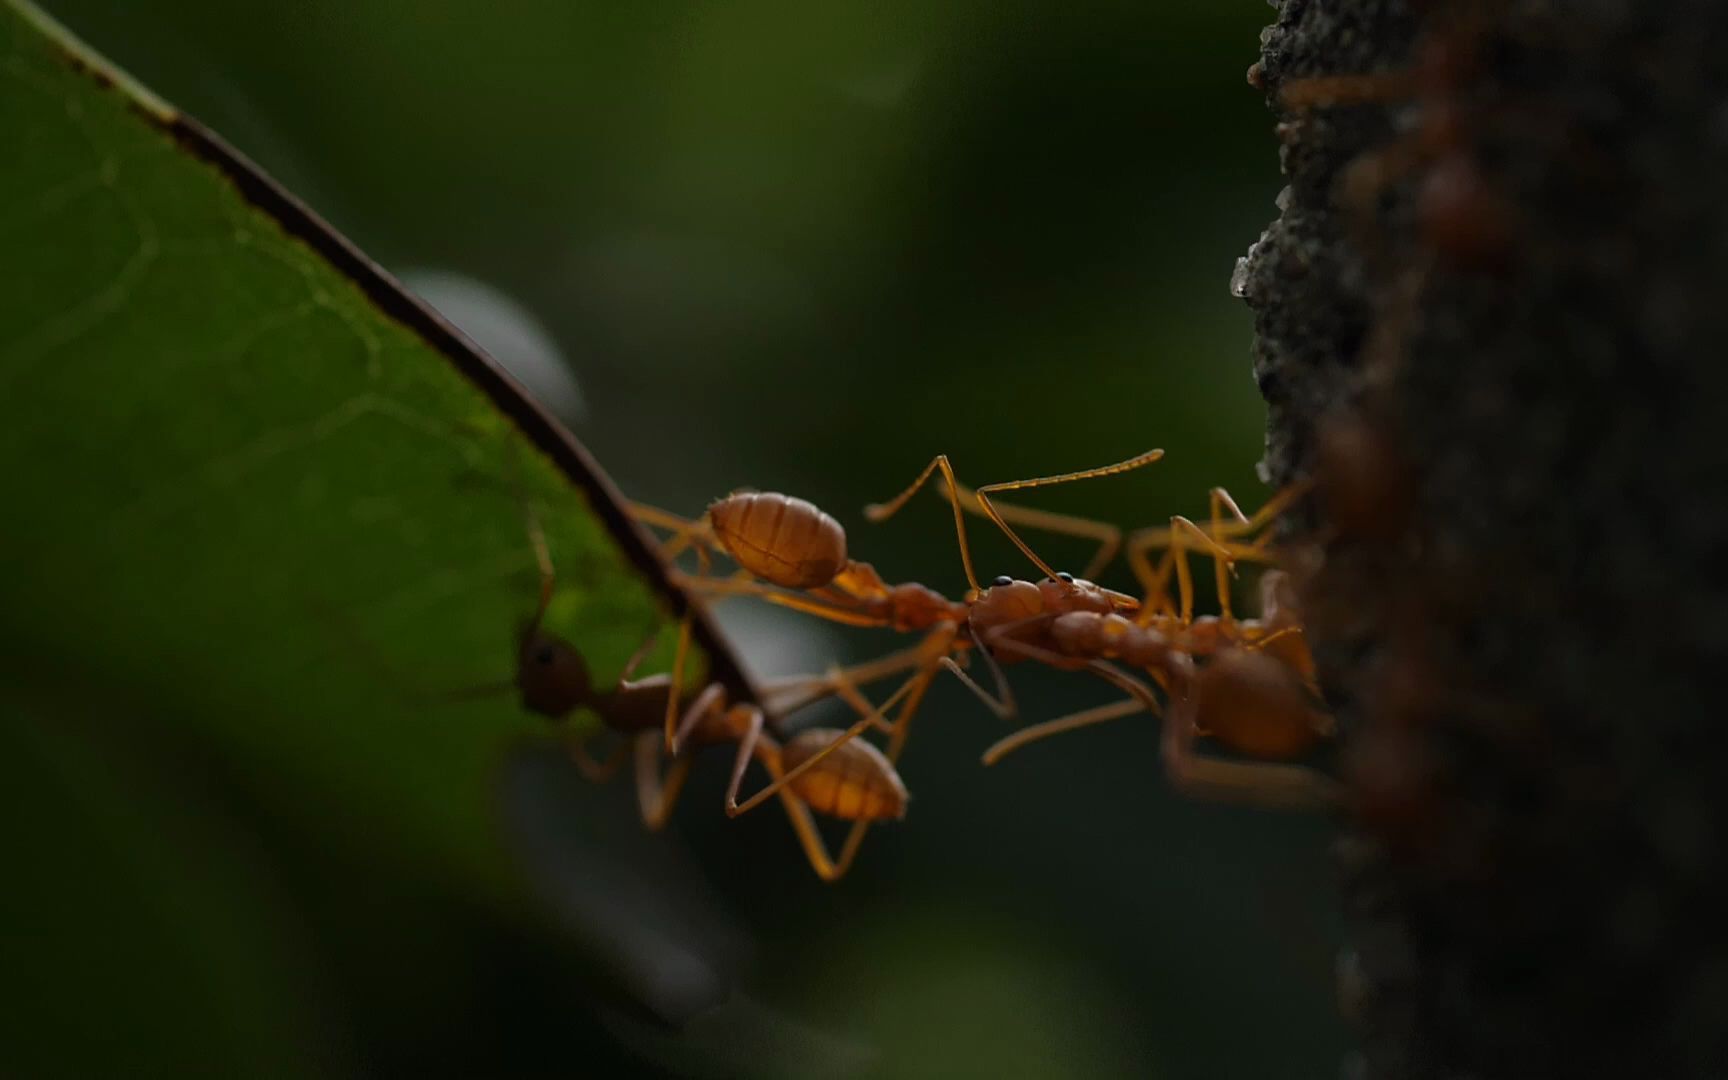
[
  {"x": 1248, "y": 684},
  {"x": 1253, "y": 693}
]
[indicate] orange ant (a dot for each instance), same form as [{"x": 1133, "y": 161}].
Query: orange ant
[
  {"x": 790, "y": 543},
  {"x": 1061, "y": 620},
  {"x": 855, "y": 784},
  {"x": 1252, "y": 689}
]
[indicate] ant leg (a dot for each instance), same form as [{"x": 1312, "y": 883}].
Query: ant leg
[
  {"x": 1002, "y": 702},
  {"x": 1085, "y": 718},
  {"x": 678, "y": 657},
  {"x": 920, "y": 684},
  {"x": 1220, "y": 541},
  {"x": 983, "y": 496},
  {"x": 1281, "y": 500},
  {"x": 1261, "y": 783},
  {"x": 879, "y": 512},
  {"x": 1228, "y": 532},
  {"x": 636, "y": 659},
  {"x": 1225, "y": 560},
  {"x": 788, "y": 695},
  {"x": 705, "y": 701},
  {"x": 810, "y": 839},
  {"x": 1140, "y": 698},
  {"x": 684, "y": 533},
  {"x": 747, "y": 743},
  {"x": 1108, "y": 536},
  {"x": 1253, "y": 529},
  {"x": 702, "y": 707},
  {"x": 871, "y": 717},
  {"x": 763, "y": 748},
  {"x": 1158, "y": 538},
  {"x": 832, "y": 611},
  {"x": 936, "y": 644},
  {"x": 657, "y": 794},
  {"x": 598, "y": 772}
]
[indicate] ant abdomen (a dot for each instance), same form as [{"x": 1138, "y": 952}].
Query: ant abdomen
[
  {"x": 1256, "y": 705},
  {"x": 854, "y": 782},
  {"x": 780, "y": 539}
]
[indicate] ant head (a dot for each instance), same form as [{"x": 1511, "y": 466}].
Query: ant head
[
  {"x": 1007, "y": 600},
  {"x": 551, "y": 674},
  {"x": 1069, "y": 593}
]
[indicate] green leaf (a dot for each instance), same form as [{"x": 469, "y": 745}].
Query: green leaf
[{"x": 258, "y": 498}]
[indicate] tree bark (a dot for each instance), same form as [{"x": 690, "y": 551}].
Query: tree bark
[{"x": 1490, "y": 325}]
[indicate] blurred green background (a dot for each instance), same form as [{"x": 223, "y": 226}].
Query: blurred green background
[{"x": 805, "y": 249}]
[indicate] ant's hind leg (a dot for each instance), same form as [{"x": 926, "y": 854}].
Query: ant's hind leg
[
  {"x": 833, "y": 611},
  {"x": 678, "y": 658},
  {"x": 1002, "y": 702},
  {"x": 657, "y": 794},
  {"x": 753, "y": 744},
  {"x": 870, "y": 715},
  {"x": 810, "y": 839},
  {"x": 700, "y": 708},
  {"x": 1115, "y": 710},
  {"x": 682, "y": 532},
  {"x": 785, "y": 696}
]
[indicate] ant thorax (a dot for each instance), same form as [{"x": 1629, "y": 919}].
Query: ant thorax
[{"x": 1009, "y": 600}]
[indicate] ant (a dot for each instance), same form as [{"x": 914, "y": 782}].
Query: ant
[
  {"x": 790, "y": 543},
  {"x": 1252, "y": 701},
  {"x": 1251, "y": 690},
  {"x": 858, "y": 595},
  {"x": 855, "y": 784}
]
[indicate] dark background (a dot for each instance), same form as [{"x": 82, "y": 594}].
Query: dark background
[{"x": 804, "y": 250}]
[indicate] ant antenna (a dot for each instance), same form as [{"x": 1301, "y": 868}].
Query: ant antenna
[{"x": 983, "y": 495}]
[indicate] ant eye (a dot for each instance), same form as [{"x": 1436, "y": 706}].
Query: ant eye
[
  {"x": 1003, "y": 580},
  {"x": 1065, "y": 576},
  {"x": 545, "y": 654}
]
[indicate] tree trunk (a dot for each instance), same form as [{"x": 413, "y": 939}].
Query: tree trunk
[{"x": 1490, "y": 327}]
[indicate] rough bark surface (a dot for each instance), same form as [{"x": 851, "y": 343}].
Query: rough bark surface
[{"x": 1504, "y": 367}]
